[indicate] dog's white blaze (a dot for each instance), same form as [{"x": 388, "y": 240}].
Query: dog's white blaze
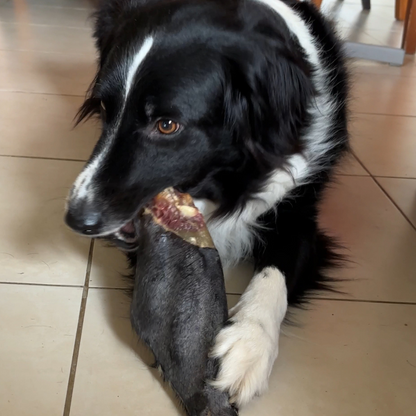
[
  {"x": 248, "y": 348},
  {"x": 135, "y": 63},
  {"x": 84, "y": 184},
  {"x": 233, "y": 236}
]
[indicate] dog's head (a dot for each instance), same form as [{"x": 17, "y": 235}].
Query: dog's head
[{"x": 196, "y": 95}]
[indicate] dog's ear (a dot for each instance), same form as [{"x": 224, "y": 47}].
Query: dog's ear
[
  {"x": 267, "y": 96},
  {"x": 106, "y": 22},
  {"x": 91, "y": 106},
  {"x": 107, "y": 16}
]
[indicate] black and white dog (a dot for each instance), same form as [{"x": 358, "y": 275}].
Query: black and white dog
[{"x": 242, "y": 104}]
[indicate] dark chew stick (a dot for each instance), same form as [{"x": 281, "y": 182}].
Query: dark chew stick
[{"x": 179, "y": 302}]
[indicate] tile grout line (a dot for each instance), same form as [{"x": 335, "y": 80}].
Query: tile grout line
[
  {"x": 394, "y": 177},
  {"x": 38, "y": 284},
  {"x": 43, "y": 51},
  {"x": 382, "y": 302},
  {"x": 85, "y": 29},
  {"x": 392, "y": 302},
  {"x": 47, "y": 6},
  {"x": 77, "y": 343},
  {"x": 45, "y": 158},
  {"x": 360, "y": 175},
  {"x": 393, "y": 202},
  {"x": 361, "y": 163},
  {"x": 374, "y": 178},
  {"x": 384, "y": 114},
  {"x": 42, "y": 93}
]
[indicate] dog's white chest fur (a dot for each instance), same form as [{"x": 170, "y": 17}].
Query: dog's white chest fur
[{"x": 233, "y": 235}]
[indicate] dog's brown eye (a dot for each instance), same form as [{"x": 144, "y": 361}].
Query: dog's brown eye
[{"x": 167, "y": 126}]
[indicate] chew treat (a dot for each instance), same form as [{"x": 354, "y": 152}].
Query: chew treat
[
  {"x": 176, "y": 212},
  {"x": 179, "y": 302}
]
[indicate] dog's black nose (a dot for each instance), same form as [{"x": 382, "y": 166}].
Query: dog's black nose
[{"x": 84, "y": 222}]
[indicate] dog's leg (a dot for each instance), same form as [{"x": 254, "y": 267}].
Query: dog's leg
[
  {"x": 248, "y": 347},
  {"x": 291, "y": 256}
]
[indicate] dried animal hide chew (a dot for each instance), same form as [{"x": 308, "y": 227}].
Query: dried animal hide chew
[
  {"x": 177, "y": 213},
  {"x": 179, "y": 302}
]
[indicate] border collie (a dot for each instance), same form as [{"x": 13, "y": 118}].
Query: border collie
[{"x": 243, "y": 105}]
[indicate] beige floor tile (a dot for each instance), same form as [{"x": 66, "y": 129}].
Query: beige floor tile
[
  {"x": 347, "y": 359},
  {"x": 113, "y": 376},
  {"x": 39, "y": 38},
  {"x": 349, "y": 34},
  {"x": 386, "y": 145},
  {"x": 393, "y": 38},
  {"x": 408, "y": 69},
  {"x": 352, "y": 5},
  {"x": 109, "y": 266},
  {"x": 403, "y": 193},
  {"x": 41, "y": 125},
  {"x": 38, "y": 326},
  {"x": 379, "y": 18},
  {"x": 35, "y": 244},
  {"x": 380, "y": 243},
  {"x": 387, "y": 3},
  {"x": 78, "y": 4},
  {"x": 52, "y": 73},
  {"x": 27, "y": 12},
  {"x": 350, "y": 166},
  {"x": 378, "y": 94},
  {"x": 372, "y": 37},
  {"x": 110, "y": 371}
]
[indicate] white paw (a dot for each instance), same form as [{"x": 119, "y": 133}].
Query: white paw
[{"x": 247, "y": 352}]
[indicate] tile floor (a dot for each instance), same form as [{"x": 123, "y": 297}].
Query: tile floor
[
  {"x": 376, "y": 27},
  {"x": 66, "y": 345}
]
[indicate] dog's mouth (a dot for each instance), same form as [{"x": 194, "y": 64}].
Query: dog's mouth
[
  {"x": 125, "y": 237},
  {"x": 173, "y": 211},
  {"x": 127, "y": 232}
]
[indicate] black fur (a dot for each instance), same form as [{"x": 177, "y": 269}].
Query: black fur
[
  {"x": 178, "y": 307},
  {"x": 231, "y": 72},
  {"x": 250, "y": 94},
  {"x": 246, "y": 95}
]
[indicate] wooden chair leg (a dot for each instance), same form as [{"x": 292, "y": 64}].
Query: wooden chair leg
[
  {"x": 366, "y": 4},
  {"x": 400, "y": 9},
  {"x": 317, "y": 3},
  {"x": 409, "y": 33}
]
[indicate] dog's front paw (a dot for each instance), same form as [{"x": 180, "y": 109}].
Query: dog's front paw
[{"x": 246, "y": 353}]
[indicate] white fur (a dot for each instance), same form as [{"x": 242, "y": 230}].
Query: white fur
[
  {"x": 322, "y": 109},
  {"x": 248, "y": 348},
  {"x": 233, "y": 236},
  {"x": 297, "y": 26},
  {"x": 135, "y": 63},
  {"x": 84, "y": 185}
]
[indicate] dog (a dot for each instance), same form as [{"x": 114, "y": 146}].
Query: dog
[{"x": 243, "y": 105}]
